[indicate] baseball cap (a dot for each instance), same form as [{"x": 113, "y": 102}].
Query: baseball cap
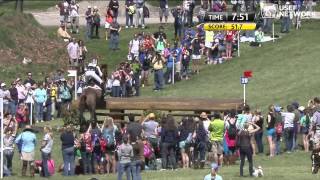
[
  {"x": 3, "y": 84},
  {"x": 215, "y": 166},
  {"x": 89, "y": 7},
  {"x": 277, "y": 108}
]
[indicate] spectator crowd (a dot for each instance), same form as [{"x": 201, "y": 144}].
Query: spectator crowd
[
  {"x": 164, "y": 143},
  {"x": 153, "y": 142}
]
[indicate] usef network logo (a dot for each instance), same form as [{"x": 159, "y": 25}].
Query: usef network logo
[{"x": 285, "y": 10}]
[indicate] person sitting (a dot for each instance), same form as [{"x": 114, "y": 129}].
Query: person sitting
[
  {"x": 63, "y": 33},
  {"x": 93, "y": 71}
]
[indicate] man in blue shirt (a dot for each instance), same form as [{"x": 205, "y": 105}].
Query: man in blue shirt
[
  {"x": 40, "y": 97},
  {"x": 213, "y": 174}
]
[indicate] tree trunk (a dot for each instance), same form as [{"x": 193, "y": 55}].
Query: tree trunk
[{"x": 19, "y": 6}]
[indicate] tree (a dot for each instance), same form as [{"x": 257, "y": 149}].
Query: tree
[{"x": 19, "y": 6}]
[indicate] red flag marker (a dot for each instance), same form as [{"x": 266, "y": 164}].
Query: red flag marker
[{"x": 247, "y": 74}]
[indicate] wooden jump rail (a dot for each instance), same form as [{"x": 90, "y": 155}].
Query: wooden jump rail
[{"x": 118, "y": 106}]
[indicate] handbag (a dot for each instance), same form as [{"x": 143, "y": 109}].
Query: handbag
[{"x": 51, "y": 166}]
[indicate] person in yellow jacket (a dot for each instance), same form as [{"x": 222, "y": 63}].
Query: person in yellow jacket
[
  {"x": 216, "y": 129},
  {"x": 53, "y": 96},
  {"x": 158, "y": 63}
]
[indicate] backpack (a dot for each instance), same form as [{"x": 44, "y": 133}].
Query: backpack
[
  {"x": 160, "y": 46},
  {"x": 147, "y": 151},
  {"x": 103, "y": 144},
  {"x": 96, "y": 142},
  {"x": 232, "y": 130}
]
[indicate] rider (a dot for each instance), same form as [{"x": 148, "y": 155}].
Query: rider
[
  {"x": 94, "y": 73},
  {"x": 315, "y": 124}
]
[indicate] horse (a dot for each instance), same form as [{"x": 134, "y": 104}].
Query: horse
[{"x": 88, "y": 100}]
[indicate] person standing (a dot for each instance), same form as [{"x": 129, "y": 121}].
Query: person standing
[
  {"x": 286, "y": 21},
  {"x": 139, "y": 13},
  {"x": 74, "y": 15},
  {"x": 21, "y": 91},
  {"x": 196, "y": 54},
  {"x": 86, "y": 149},
  {"x": 138, "y": 159},
  {"x": 130, "y": 11},
  {"x": 14, "y": 99},
  {"x": 271, "y": 133},
  {"x": 125, "y": 154},
  {"x": 114, "y": 6},
  {"x": 158, "y": 65},
  {"x": 177, "y": 13},
  {"x": 8, "y": 143},
  {"x": 169, "y": 135},
  {"x": 67, "y": 146},
  {"x": 89, "y": 20},
  {"x": 216, "y": 129},
  {"x": 96, "y": 22},
  {"x": 40, "y": 96},
  {"x": 108, "y": 21},
  {"x": 114, "y": 35},
  {"x": 200, "y": 136},
  {"x": 288, "y": 119},
  {"x": 258, "y": 120},
  {"x": 245, "y": 146},
  {"x": 304, "y": 126},
  {"x": 46, "y": 148},
  {"x": 163, "y": 11},
  {"x": 26, "y": 142},
  {"x": 73, "y": 52},
  {"x": 149, "y": 126},
  {"x": 5, "y": 94}
]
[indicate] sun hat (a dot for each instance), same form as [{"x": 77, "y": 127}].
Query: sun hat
[
  {"x": 215, "y": 166},
  {"x": 27, "y": 85},
  {"x": 301, "y": 108},
  {"x": 151, "y": 115}
]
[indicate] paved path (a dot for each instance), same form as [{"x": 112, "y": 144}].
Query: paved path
[{"x": 50, "y": 17}]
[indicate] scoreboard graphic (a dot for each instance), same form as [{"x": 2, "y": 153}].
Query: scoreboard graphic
[{"x": 216, "y": 21}]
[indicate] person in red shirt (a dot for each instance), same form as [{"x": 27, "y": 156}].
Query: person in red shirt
[
  {"x": 108, "y": 21},
  {"x": 148, "y": 43},
  {"x": 229, "y": 42}
]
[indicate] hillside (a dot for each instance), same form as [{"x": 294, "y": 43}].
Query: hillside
[
  {"x": 22, "y": 37},
  {"x": 282, "y": 72}
]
